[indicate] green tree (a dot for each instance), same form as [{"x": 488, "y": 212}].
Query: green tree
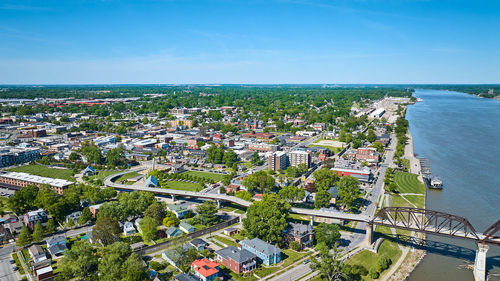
[
  {"x": 327, "y": 234},
  {"x": 206, "y": 214},
  {"x": 294, "y": 245},
  {"x": 322, "y": 199},
  {"x": 112, "y": 258},
  {"x": 291, "y": 193},
  {"x": 171, "y": 219},
  {"x": 74, "y": 156},
  {"x": 230, "y": 158},
  {"x": 259, "y": 181},
  {"x": 38, "y": 232},
  {"x": 23, "y": 199},
  {"x": 378, "y": 146},
  {"x": 329, "y": 265},
  {"x": 92, "y": 152},
  {"x": 243, "y": 194},
  {"x": 85, "y": 217},
  {"x": 149, "y": 228},
  {"x": 134, "y": 269},
  {"x": 324, "y": 178},
  {"x": 349, "y": 191},
  {"x": 106, "y": 230},
  {"x": 50, "y": 227},
  {"x": 24, "y": 237},
  {"x": 79, "y": 261},
  {"x": 115, "y": 157},
  {"x": 255, "y": 159},
  {"x": 266, "y": 219},
  {"x": 156, "y": 211}
]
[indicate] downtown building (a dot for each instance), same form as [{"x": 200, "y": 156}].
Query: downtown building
[
  {"x": 278, "y": 161},
  {"x": 298, "y": 157}
]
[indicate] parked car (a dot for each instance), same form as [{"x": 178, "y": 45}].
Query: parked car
[{"x": 306, "y": 261}]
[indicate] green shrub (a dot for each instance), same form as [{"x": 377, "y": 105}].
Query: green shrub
[
  {"x": 383, "y": 263},
  {"x": 294, "y": 245},
  {"x": 373, "y": 273}
]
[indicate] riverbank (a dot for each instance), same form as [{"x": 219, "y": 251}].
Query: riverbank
[{"x": 414, "y": 256}]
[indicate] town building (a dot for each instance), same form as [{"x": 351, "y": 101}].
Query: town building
[
  {"x": 17, "y": 179},
  {"x": 301, "y": 233},
  {"x": 205, "y": 269},
  {"x": 263, "y": 147},
  {"x": 30, "y": 219},
  {"x": 354, "y": 169},
  {"x": 278, "y": 161},
  {"x": 238, "y": 261},
  {"x": 266, "y": 253},
  {"x": 298, "y": 157},
  {"x": 17, "y": 155}
]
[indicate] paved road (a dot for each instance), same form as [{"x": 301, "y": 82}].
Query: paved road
[
  {"x": 6, "y": 272},
  {"x": 357, "y": 237},
  {"x": 223, "y": 197}
]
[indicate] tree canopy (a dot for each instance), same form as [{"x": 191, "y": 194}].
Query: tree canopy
[{"x": 266, "y": 219}]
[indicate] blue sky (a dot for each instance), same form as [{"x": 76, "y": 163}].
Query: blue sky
[{"x": 253, "y": 41}]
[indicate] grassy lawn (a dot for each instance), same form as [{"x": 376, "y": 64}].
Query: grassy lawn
[
  {"x": 368, "y": 259},
  {"x": 214, "y": 176},
  {"x": 238, "y": 237},
  {"x": 228, "y": 207},
  {"x": 102, "y": 174},
  {"x": 226, "y": 241},
  {"x": 264, "y": 271},
  {"x": 180, "y": 185},
  {"x": 25, "y": 254},
  {"x": 43, "y": 171},
  {"x": 293, "y": 256},
  {"x": 408, "y": 183},
  {"x": 419, "y": 201},
  {"x": 398, "y": 201},
  {"x": 334, "y": 149},
  {"x": 289, "y": 256},
  {"x": 125, "y": 177},
  {"x": 18, "y": 263}
]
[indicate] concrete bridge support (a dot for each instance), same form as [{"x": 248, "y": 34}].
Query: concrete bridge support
[
  {"x": 480, "y": 262},
  {"x": 219, "y": 204},
  {"x": 173, "y": 198},
  {"x": 369, "y": 234}
]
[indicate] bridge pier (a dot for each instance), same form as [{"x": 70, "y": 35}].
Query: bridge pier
[
  {"x": 369, "y": 234},
  {"x": 219, "y": 204},
  {"x": 311, "y": 222},
  {"x": 173, "y": 198},
  {"x": 480, "y": 262}
]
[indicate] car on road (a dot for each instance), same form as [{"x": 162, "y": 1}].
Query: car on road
[
  {"x": 306, "y": 261},
  {"x": 12, "y": 261},
  {"x": 14, "y": 267}
]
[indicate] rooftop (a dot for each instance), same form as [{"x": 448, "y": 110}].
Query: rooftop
[{"x": 37, "y": 179}]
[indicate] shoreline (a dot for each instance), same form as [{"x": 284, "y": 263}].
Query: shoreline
[{"x": 415, "y": 256}]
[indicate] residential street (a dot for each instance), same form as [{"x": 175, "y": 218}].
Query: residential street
[{"x": 6, "y": 271}]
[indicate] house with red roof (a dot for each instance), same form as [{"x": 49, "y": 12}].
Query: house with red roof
[{"x": 205, "y": 269}]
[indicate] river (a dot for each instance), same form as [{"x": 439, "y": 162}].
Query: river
[{"x": 460, "y": 136}]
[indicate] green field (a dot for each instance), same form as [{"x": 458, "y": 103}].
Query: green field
[
  {"x": 226, "y": 241},
  {"x": 408, "y": 183},
  {"x": 125, "y": 177},
  {"x": 214, "y": 176},
  {"x": 181, "y": 185},
  {"x": 44, "y": 171},
  {"x": 334, "y": 149},
  {"x": 418, "y": 200},
  {"x": 102, "y": 174},
  {"x": 368, "y": 259}
]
